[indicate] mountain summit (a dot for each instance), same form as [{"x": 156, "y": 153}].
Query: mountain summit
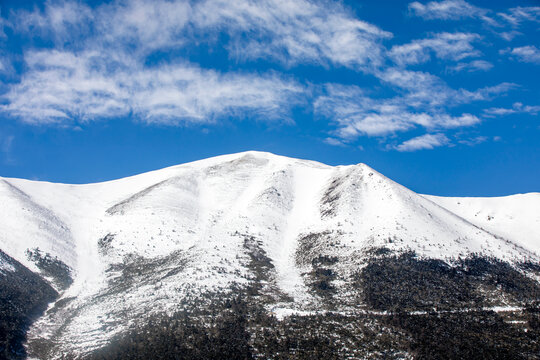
[{"x": 264, "y": 245}]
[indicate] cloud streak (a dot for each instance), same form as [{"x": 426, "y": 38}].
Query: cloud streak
[
  {"x": 294, "y": 32},
  {"x": 518, "y": 15},
  {"x": 446, "y": 10},
  {"x": 98, "y": 68},
  {"x": 291, "y": 32},
  {"x": 423, "y": 142},
  {"x": 528, "y": 54},
  {"x": 517, "y": 108},
  {"x": 504, "y": 23},
  {"x": 127, "y": 58},
  {"x": 63, "y": 87},
  {"x": 357, "y": 114},
  {"x": 446, "y": 46},
  {"x": 476, "y": 65}
]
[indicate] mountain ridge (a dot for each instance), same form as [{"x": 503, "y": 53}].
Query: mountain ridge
[{"x": 296, "y": 234}]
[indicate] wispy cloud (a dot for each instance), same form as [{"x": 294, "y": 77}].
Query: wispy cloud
[
  {"x": 517, "y": 108},
  {"x": 100, "y": 63},
  {"x": 445, "y": 10},
  {"x": 61, "y": 87},
  {"x": 355, "y": 114},
  {"x": 424, "y": 103},
  {"x": 446, "y": 46},
  {"x": 334, "y": 142},
  {"x": 476, "y": 65},
  {"x": 292, "y": 32},
  {"x": 98, "y": 67},
  {"x": 518, "y": 15},
  {"x": 6, "y": 145},
  {"x": 426, "y": 90},
  {"x": 529, "y": 54},
  {"x": 474, "y": 140},
  {"x": 427, "y": 141},
  {"x": 485, "y": 93},
  {"x": 511, "y": 19}
]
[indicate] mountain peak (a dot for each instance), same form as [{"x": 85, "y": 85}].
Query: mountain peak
[{"x": 156, "y": 239}]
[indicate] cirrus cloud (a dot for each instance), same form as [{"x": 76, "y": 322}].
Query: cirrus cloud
[
  {"x": 427, "y": 141},
  {"x": 139, "y": 59},
  {"x": 446, "y": 10},
  {"x": 447, "y": 46},
  {"x": 61, "y": 87},
  {"x": 529, "y": 54},
  {"x": 98, "y": 67}
]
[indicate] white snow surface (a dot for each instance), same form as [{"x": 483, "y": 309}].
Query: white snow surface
[
  {"x": 515, "y": 217},
  {"x": 197, "y": 216}
]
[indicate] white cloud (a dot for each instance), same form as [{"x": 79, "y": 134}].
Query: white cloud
[
  {"x": 476, "y": 65},
  {"x": 99, "y": 69},
  {"x": 424, "y": 90},
  {"x": 517, "y": 108},
  {"x": 484, "y": 94},
  {"x": 292, "y": 32},
  {"x": 427, "y": 141},
  {"x": 373, "y": 125},
  {"x": 504, "y": 24},
  {"x": 179, "y": 93},
  {"x": 516, "y": 16},
  {"x": 295, "y": 32},
  {"x": 445, "y": 10},
  {"x": 356, "y": 114},
  {"x": 473, "y": 141},
  {"x": 447, "y": 121},
  {"x": 62, "y": 86},
  {"x": 140, "y": 25},
  {"x": 530, "y": 54},
  {"x": 414, "y": 81},
  {"x": 103, "y": 65},
  {"x": 334, "y": 142},
  {"x": 64, "y": 22},
  {"x": 492, "y": 112},
  {"x": 509, "y": 35},
  {"x": 446, "y": 46}
]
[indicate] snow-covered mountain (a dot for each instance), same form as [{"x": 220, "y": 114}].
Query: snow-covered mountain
[
  {"x": 515, "y": 217},
  {"x": 152, "y": 243}
]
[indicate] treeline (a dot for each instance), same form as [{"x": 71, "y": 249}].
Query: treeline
[
  {"x": 225, "y": 326},
  {"x": 240, "y": 324},
  {"x": 466, "y": 335},
  {"x": 23, "y": 297},
  {"x": 235, "y": 329},
  {"x": 217, "y": 332},
  {"x": 400, "y": 282}
]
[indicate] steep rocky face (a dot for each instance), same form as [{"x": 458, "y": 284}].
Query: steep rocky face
[{"x": 283, "y": 258}]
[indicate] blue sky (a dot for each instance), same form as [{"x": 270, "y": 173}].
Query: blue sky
[{"x": 440, "y": 96}]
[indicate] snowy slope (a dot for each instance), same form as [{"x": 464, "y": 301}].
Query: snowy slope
[
  {"x": 515, "y": 217},
  {"x": 26, "y": 225},
  {"x": 148, "y": 242}
]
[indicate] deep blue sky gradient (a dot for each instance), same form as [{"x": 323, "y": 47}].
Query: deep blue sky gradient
[{"x": 499, "y": 155}]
